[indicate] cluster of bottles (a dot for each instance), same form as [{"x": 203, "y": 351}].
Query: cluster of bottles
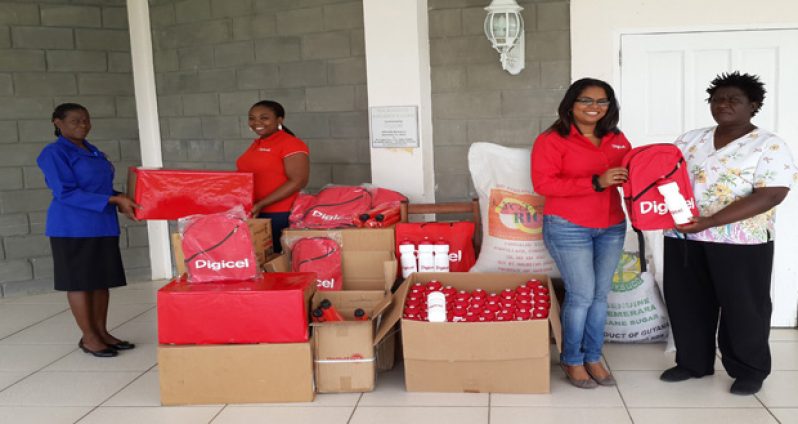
[
  {"x": 429, "y": 256},
  {"x": 326, "y": 312},
  {"x": 433, "y": 302}
]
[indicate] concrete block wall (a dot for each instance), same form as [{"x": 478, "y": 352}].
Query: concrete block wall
[
  {"x": 52, "y": 52},
  {"x": 473, "y": 99},
  {"x": 215, "y": 58}
]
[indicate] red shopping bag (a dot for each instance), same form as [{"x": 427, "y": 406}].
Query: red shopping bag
[{"x": 459, "y": 236}]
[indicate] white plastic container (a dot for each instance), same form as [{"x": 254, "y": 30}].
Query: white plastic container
[
  {"x": 441, "y": 249},
  {"x": 426, "y": 256},
  {"x": 677, "y": 205},
  {"x": 436, "y": 307},
  {"x": 407, "y": 257}
]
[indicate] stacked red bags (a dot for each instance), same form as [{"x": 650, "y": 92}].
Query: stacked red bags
[{"x": 346, "y": 206}]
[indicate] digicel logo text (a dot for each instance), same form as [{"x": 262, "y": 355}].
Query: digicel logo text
[
  {"x": 658, "y": 207},
  {"x": 326, "y": 217},
  {"x": 327, "y": 284},
  {"x": 216, "y": 266}
]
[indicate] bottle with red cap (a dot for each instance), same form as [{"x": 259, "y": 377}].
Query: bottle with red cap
[
  {"x": 441, "y": 249},
  {"x": 436, "y": 307},
  {"x": 426, "y": 256},
  {"x": 360, "y": 315},
  {"x": 329, "y": 312},
  {"x": 407, "y": 257},
  {"x": 317, "y": 315}
]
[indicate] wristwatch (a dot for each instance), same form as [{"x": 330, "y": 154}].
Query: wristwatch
[{"x": 596, "y": 185}]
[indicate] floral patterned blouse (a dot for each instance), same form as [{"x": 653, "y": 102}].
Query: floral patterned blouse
[{"x": 757, "y": 159}]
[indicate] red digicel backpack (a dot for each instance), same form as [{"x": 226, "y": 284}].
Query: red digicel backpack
[
  {"x": 321, "y": 255},
  {"x": 333, "y": 207},
  {"x": 218, "y": 247},
  {"x": 649, "y": 167}
]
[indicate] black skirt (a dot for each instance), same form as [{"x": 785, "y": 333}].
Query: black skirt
[{"x": 87, "y": 263}]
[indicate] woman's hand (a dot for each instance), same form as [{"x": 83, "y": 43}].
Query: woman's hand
[
  {"x": 125, "y": 205},
  {"x": 696, "y": 225},
  {"x": 256, "y": 210},
  {"x": 613, "y": 176}
]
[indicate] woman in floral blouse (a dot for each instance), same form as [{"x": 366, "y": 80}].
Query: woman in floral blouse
[{"x": 718, "y": 267}]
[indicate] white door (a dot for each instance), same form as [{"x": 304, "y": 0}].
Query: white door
[{"x": 662, "y": 93}]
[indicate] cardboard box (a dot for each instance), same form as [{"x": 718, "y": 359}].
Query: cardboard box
[
  {"x": 173, "y": 194},
  {"x": 270, "y": 309},
  {"x": 343, "y": 352},
  {"x": 369, "y": 271},
  {"x": 251, "y": 373},
  {"x": 367, "y": 258},
  {"x": 260, "y": 229},
  {"x": 478, "y": 357}
]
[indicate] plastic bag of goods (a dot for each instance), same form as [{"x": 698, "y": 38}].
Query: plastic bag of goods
[
  {"x": 321, "y": 255},
  {"x": 512, "y": 214},
  {"x": 218, "y": 247}
]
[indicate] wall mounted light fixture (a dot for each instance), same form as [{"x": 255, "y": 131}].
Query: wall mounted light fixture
[{"x": 504, "y": 27}]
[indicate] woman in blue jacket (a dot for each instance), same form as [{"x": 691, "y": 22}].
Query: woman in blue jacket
[{"x": 83, "y": 226}]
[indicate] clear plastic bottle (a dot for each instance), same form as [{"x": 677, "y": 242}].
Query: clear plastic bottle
[
  {"x": 677, "y": 205},
  {"x": 436, "y": 307},
  {"x": 441, "y": 249},
  {"x": 426, "y": 256},
  {"x": 407, "y": 257}
]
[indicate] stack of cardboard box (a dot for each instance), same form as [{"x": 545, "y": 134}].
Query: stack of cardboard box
[
  {"x": 347, "y": 354},
  {"x": 226, "y": 341},
  {"x": 236, "y": 342}
]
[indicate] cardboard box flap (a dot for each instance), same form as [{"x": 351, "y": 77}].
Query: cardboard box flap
[
  {"x": 366, "y": 270},
  {"x": 489, "y": 341},
  {"x": 392, "y": 314},
  {"x": 390, "y": 270},
  {"x": 278, "y": 264},
  {"x": 381, "y": 307},
  {"x": 369, "y": 239},
  {"x": 354, "y": 239}
]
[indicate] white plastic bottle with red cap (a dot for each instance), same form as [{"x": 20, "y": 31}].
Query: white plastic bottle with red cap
[
  {"x": 407, "y": 257},
  {"x": 441, "y": 249},
  {"x": 436, "y": 307},
  {"x": 426, "y": 256},
  {"x": 676, "y": 203}
]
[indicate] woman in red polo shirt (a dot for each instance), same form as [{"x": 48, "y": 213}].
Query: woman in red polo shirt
[
  {"x": 279, "y": 162},
  {"x": 576, "y": 165}
]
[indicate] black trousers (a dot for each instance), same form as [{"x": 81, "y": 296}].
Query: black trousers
[{"x": 723, "y": 289}]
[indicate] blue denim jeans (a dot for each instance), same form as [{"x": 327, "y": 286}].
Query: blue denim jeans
[{"x": 587, "y": 258}]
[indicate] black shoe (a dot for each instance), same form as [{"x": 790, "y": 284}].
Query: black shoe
[
  {"x": 105, "y": 353},
  {"x": 122, "y": 345},
  {"x": 675, "y": 374},
  {"x": 744, "y": 387}
]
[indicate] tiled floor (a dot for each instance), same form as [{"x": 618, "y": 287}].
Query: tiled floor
[{"x": 45, "y": 379}]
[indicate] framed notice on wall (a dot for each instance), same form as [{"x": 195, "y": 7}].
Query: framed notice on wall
[{"x": 394, "y": 126}]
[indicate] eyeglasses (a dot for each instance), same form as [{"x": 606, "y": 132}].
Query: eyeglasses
[{"x": 587, "y": 101}]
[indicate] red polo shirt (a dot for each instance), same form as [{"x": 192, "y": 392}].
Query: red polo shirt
[
  {"x": 264, "y": 158},
  {"x": 562, "y": 171}
]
